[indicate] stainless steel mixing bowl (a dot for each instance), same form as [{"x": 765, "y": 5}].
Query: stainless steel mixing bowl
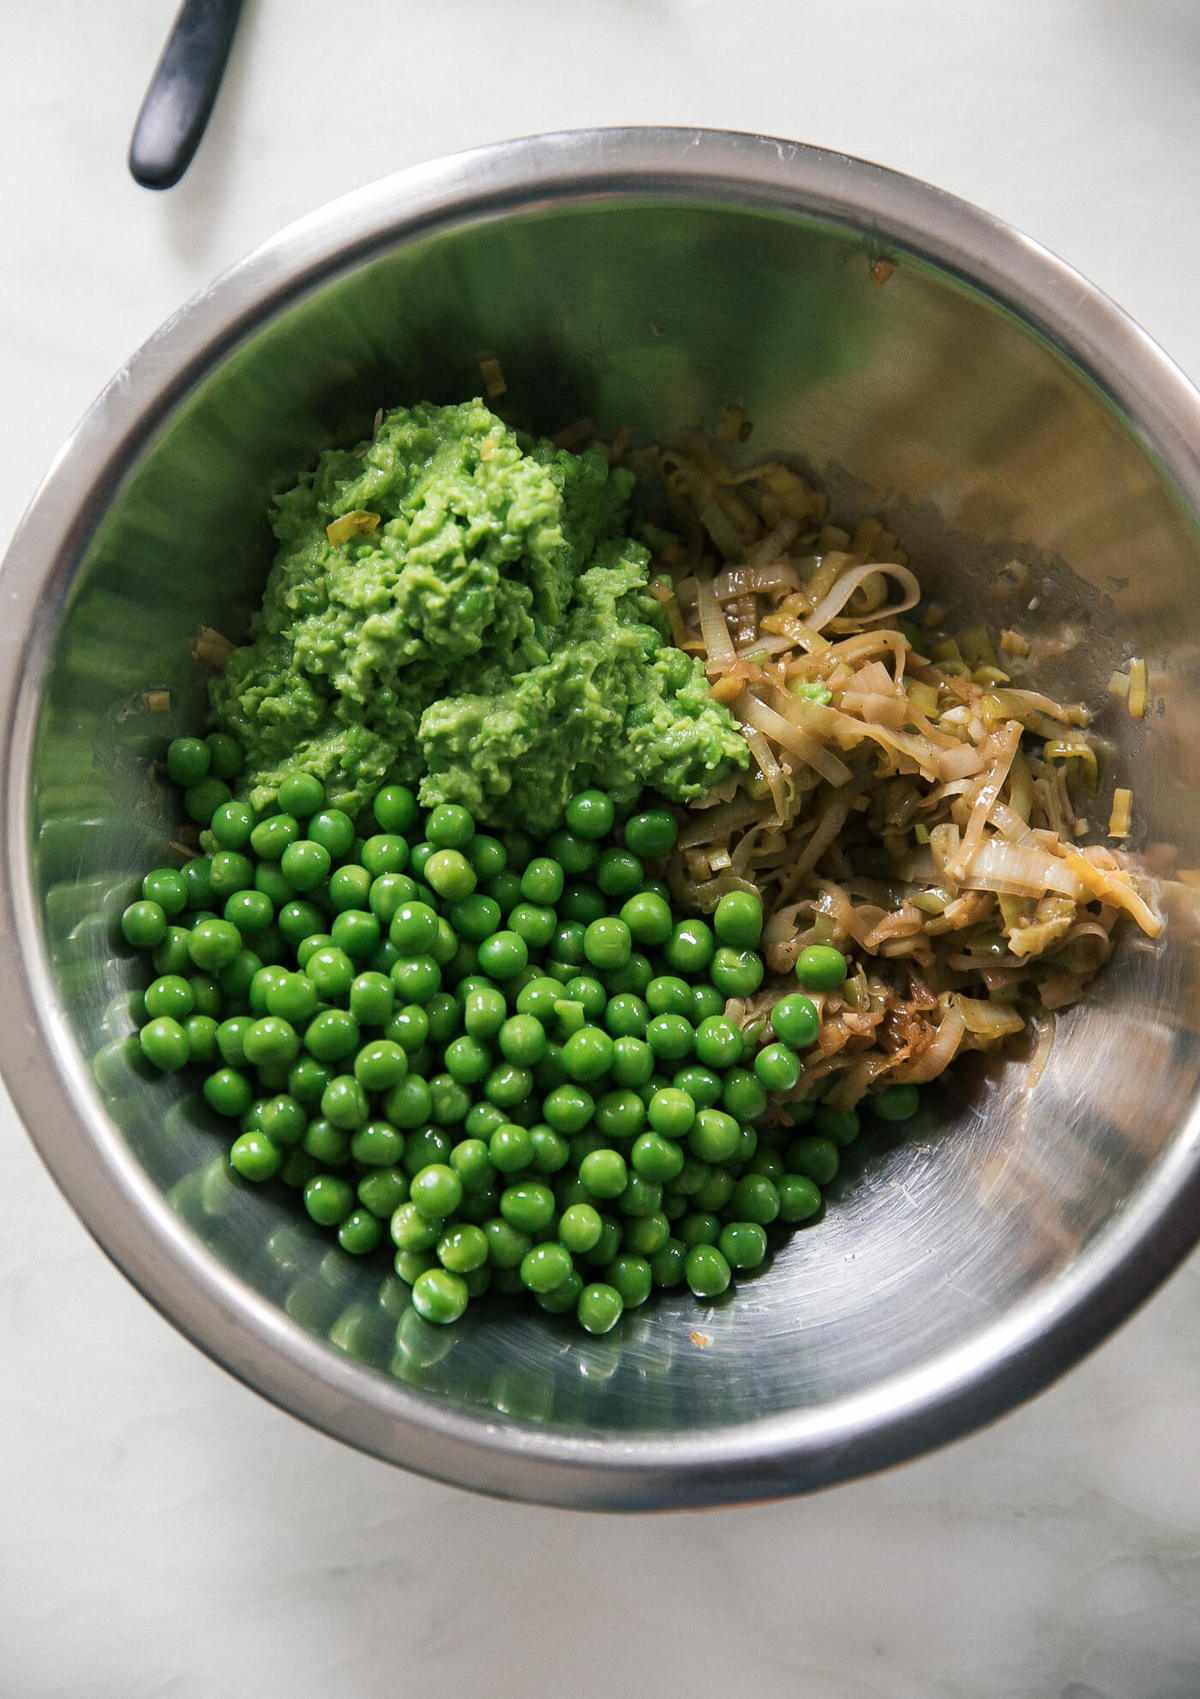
[{"x": 928, "y": 363}]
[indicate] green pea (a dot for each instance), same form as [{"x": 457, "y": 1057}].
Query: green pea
[
  {"x": 551, "y": 1152},
  {"x": 738, "y": 920},
  {"x": 619, "y": 873},
  {"x": 656, "y": 1157},
  {"x": 225, "y": 756},
  {"x": 416, "y": 978},
  {"x": 172, "y": 995},
  {"x": 449, "y": 826},
  {"x": 165, "y": 1044},
  {"x": 707, "y": 1272},
  {"x": 507, "y": 1244},
  {"x": 409, "y": 1102},
  {"x": 842, "y": 1126},
  {"x": 408, "y": 1027},
  {"x": 450, "y": 874},
  {"x": 632, "y": 1062},
  {"x": 201, "y": 1031},
  {"x": 372, "y": 998},
  {"x": 271, "y": 836},
  {"x": 777, "y": 1068},
  {"x": 579, "y": 1227},
  {"x": 436, "y": 1191},
  {"x": 818, "y": 1159},
  {"x": 440, "y": 1296},
  {"x": 528, "y": 1206},
  {"x": 546, "y": 1266},
  {"x": 671, "y": 1113},
  {"x": 799, "y": 1198},
  {"x": 582, "y": 904},
  {"x": 643, "y": 1235},
  {"x": 701, "y": 1084},
  {"x": 604, "y": 1173},
  {"x": 360, "y": 1233},
  {"x": 212, "y": 944},
  {"x": 522, "y": 1039},
  {"x": 567, "y": 943},
  {"x": 331, "y": 971},
  {"x": 232, "y": 824},
  {"x": 690, "y": 948},
  {"x": 503, "y": 955},
  {"x": 331, "y": 1035},
  {"x": 670, "y": 1037},
  {"x": 743, "y": 1244},
  {"x": 697, "y": 1229},
  {"x": 377, "y": 1144},
  {"x": 327, "y": 1144},
  {"x": 356, "y": 932},
  {"x": 713, "y": 1136},
  {"x": 599, "y": 1308},
  {"x": 608, "y": 1245},
  {"x": 172, "y": 955},
  {"x": 542, "y": 881},
  {"x": 488, "y": 856},
  {"x": 380, "y": 1065},
  {"x": 395, "y": 808},
  {"x": 668, "y": 1266},
  {"x": 632, "y": 1278},
  {"x": 255, "y": 1157},
  {"x": 508, "y": 1085},
  {"x": 463, "y": 1249},
  {"x": 620, "y": 1114},
  {"x": 651, "y": 833},
  {"x": 300, "y": 794},
  {"x": 895, "y": 1102},
  {"x": 426, "y": 1147},
  {"x": 168, "y": 888},
  {"x": 608, "y": 943},
  {"x": 587, "y": 1054},
  {"x": 382, "y": 1191},
  {"x": 472, "y": 1162},
  {"x": 475, "y": 917},
  {"x": 228, "y": 1092},
  {"x": 819, "y": 967},
  {"x": 333, "y": 830},
  {"x": 736, "y": 971},
  {"x": 755, "y": 1198},
  {"x": 574, "y": 852},
  {"x": 796, "y": 1021},
  {"x": 201, "y": 801},
  {"x": 467, "y": 1060},
  {"x": 344, "y": 1101},
  {"x": 187, "y": 761},
  {"x": 707, "y": 1003},
  {"x": 413, "y": 1231},
  {"x": 719, "y": 1043},
  {"x": 742, "y": 1095},
  {"x": 590, "y": 814},
  {"x": 305, "y": 864},
  {"x": 669, "y": 995}
]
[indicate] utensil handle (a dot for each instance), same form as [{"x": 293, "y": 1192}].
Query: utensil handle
[{"x": 182, "y": 91}]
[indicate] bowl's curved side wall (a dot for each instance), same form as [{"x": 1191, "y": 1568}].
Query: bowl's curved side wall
[{"x": 981, "y": 440}]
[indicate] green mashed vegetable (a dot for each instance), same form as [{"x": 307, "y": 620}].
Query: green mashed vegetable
[{"x": 480, "y": 625}]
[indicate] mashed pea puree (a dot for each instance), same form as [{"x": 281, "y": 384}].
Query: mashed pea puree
[{"x": 458, "y": 606}]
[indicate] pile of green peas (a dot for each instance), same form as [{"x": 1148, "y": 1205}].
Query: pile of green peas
[{"x": 510, "y": 1060}]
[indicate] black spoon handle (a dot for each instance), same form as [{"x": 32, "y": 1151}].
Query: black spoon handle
[{"x": 182, "y": 91}]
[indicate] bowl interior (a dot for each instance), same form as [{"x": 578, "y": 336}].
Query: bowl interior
[{"x": 914, "y": 394}]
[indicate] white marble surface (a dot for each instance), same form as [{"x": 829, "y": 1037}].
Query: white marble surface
[{"x": 165, "y": 1533}]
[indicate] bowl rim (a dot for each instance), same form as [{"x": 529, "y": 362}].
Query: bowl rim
[{"x": 909, "y": 1413}]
